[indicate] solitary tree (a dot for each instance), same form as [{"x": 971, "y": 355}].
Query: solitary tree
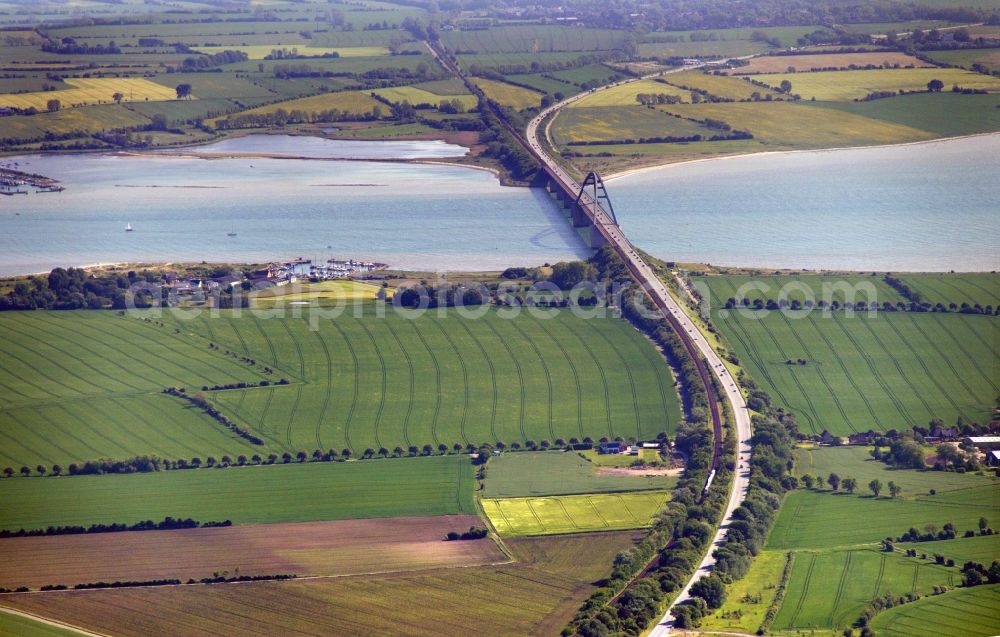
[
  {"x": 183, "y": 90},
  {"x": 53, "y": 105},
  {"x": 935, "y": 86},
  {"x": 834, "y": 481},
  {"x": 301, "y": 456},
  {"x": 785, "y": 86},
  {"x": 876, "y": 487},
  {"x": 41, "y": 469},
  {"x": 25, "y": 471},
  {"x": 983, "y": 523},
  {"x": 118, "y": 97},
  {"x": 850, "y": 484},
  {"x": 808, "y": 480},
  {"x": 8, "y": 472},
  {"x": 894, "y": 489}
]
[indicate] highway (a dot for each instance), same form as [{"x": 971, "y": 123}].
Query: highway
[
  {"x": 693, "y": 337},
  {"x": 706, "y": 359}
]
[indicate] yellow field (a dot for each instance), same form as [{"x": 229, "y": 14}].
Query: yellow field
[
  {"x": 93, "y": 91},
  {"x": 574, "y": 513},
  {"x": 625, "y": 95},
  {"x": 798, "y": 125},
  {"x": 323, "y": 293},
  {"x": 260, "y": 51},
  {"x": 719, "y": 85},
  {"x": 801, "y": 63},
  {"x": 508, "y": 94},
  {"x": 354, "y": 102},
  {"x": 840, "y": 86},
  {"x": 413, "y": 95}
]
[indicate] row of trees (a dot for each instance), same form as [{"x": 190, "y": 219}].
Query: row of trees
[
  {"x": 773, "y": 443},
  {"x": 167, "y": 524},
  {"x": 661, "y": 562},
  {"x": 948, "y": 532},
  {"x": 919, "y": 304},
  {"x": 849, "y": 484},
  {"x": 215, "y": 579},
  {"x": 202, "y": 403}
]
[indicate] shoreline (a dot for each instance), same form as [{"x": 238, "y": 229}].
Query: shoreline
[
  {"x": 834, "y": 149},
  {"x": 727, "y": 270}
]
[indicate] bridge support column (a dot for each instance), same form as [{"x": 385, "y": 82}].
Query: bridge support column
[
  {"x": 580, "y": 219},
  {"x": 597, "y": 240}
]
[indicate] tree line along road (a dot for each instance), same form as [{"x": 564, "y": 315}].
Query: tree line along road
[{"x": 692, "y": 337}]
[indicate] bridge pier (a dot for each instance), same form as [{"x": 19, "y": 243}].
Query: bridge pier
[{"x": 582, "y": 222}]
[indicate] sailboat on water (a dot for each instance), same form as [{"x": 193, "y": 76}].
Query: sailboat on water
[{"x": 128, "y": 227}]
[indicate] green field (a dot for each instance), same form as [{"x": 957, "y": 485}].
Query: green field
[
  {"x": 894, "y": 370},
  {"x": 743, "y": 611},
  {"x": 830, "y": 589},
  {"x": 848, "y": 85},
  {"x": 532, "y": 38},
  {"x": 830, "y": 586},
  {"x": 573, "y": 513},
  {"x": 453, "y": 86},
  {"x": 87, "y": 119},
  {"x": 717, "y": 290},
  {"x": 944, "y": 114},
  {"x": 824, "y": 519},
  {"x": 17, "y": 626},
  {"x": 84, "y": 385},
  {"x": 968, "y": 612},
  {"x": 246, "y": 495},
  {"x": 415, "y": 96},
  {"x": 557, "y": 473},
  {"x": 356, "y": 103},
  {"x": 982, "y": 548},
  {"x": 260, "y": 51},
  {"x": 520, "y": 62},
  {"x": 989, "y": 58},
  {"x": 983, "y": 289}
]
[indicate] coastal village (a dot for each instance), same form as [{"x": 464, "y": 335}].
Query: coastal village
[{"x": 270, "y": 276}]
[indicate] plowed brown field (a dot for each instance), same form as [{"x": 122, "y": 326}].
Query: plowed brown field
[{"x": 343, "y": 547}]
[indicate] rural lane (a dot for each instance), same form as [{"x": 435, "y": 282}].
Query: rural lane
[{"x": 672, "y": 309}]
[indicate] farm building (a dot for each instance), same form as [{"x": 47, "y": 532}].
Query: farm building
[
  {"x": 983, "y": 443},
  {"x": 613, "y": 447}
]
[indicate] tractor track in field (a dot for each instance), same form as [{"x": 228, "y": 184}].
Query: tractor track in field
[
  {"x": 385, "y": 381},
  {"x": 437, "y": 384},
  {"x": 411, "y": 386},
  {"x": 465, "y": 383},
  {"x": 819, "y": 372},
  {"x": 604, "y": 380},
  {"x": 520, "y": 380},
  {"x": 847, "y": 374},
  {"x": 493, "y": 378},
  {"x": 548, "y": 376},
  {"x": 576, "y": 377},
  {"x": 357, "y": 387}
]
